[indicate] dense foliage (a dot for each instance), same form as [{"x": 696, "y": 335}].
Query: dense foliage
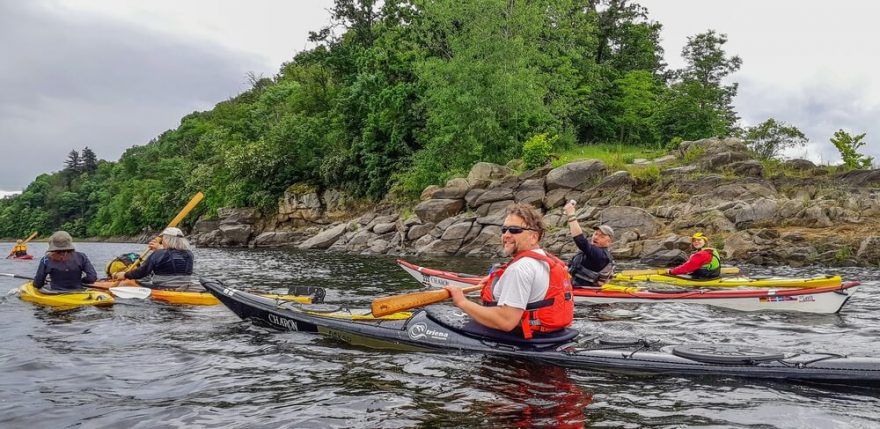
[{"x": 397, "y": 95}]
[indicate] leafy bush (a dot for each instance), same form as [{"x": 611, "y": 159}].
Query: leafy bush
[
  {"x": 536, "y": 150},
  {"x": 770, "y": 138},
  {"x": 848, "y": 147}
]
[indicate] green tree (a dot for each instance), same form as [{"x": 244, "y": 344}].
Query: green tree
[
  {"x": 73, "y": 164},
  {"x": 637, "y": 108},
  {"x": 770, "y": 138},
  {"x": 619, "y": 38},
  {"x": 89, "y": 160},
  {"x": 698, "y": 104},
  {"x": 848, "y": 147}
]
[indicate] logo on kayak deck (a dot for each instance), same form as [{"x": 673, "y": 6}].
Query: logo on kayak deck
[
  {"x": 428, "y": 280},
  {"x": 420, "y": 330},
  {"x": 280, "y": 321},
  {"x": 800, "y": 298},
  {"x": 228, "y": 292}
]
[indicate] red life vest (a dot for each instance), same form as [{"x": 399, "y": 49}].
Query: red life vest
[{"x": 555, "y": 311}]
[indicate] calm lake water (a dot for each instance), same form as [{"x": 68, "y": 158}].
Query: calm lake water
[{"x": 145, "y": 365}]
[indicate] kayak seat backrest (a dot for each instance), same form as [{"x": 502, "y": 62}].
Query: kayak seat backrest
[{"x": 453, "y": 318}]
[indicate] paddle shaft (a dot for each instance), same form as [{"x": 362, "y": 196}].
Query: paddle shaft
[
  {"x": 196, "y": 199},
  {"x": 120, "y": 291},
  {"x": 393, "y": 304},
  {"x": 30, "y": 238},
  {"x": 16, "y": 276},
  {"x": 652, "y": 271}
]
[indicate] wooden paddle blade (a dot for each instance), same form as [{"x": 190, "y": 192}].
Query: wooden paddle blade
[
  {"x": 393, "y": 304},
  {"x": 196, "y": 199},
  {"x": 31, "y": 237}
]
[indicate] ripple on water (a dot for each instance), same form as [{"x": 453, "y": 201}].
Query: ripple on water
[{"x": 146, "y": 365}]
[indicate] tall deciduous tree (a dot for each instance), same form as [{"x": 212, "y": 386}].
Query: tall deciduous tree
[
  {"x": 699, "y": 104},
  {"x": 637, "y": 108},
  {"x": 770, "y": 138}
]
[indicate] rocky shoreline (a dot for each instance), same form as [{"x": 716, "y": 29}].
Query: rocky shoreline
[{"x": 801, "y": 215}]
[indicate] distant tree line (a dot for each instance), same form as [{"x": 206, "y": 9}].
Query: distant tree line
[{"x": 400, "y": 94}]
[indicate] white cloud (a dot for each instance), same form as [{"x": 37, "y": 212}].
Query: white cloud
[
  {"x": 113, "y": 74},
  {"x": 809, "y": 63}
]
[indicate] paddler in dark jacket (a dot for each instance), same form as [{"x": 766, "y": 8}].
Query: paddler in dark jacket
[
  {"x": 66, "y": 268},
  {"x": 704, "y": 263},
  {"x": 169, "y": 266},
  {"x": 593, "y": 264}
]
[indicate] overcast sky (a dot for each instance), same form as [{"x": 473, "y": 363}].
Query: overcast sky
[
  {"x": 110, "y": 74},
  {"x": 809, "y": 63}
]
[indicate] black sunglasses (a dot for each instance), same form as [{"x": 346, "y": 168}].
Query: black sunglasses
[{"x": 515, "y": 229}]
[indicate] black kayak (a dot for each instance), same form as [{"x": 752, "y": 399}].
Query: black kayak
[{"x": 445, "y": 328}]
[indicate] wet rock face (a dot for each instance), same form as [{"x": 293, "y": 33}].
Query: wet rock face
[
  {"x": 436, "y": 210},
  {"x": 805, "y": 218},
  {"x": 576, "y": 175}
]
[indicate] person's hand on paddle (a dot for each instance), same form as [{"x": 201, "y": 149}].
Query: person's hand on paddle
[
  {"x": 154, "y": 244},
  {"x": 119, "y": 275},
  {"x": 456, "y": 294}
]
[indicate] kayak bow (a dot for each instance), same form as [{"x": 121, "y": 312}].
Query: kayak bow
[
  {"x": 442, "y": 328},
  {"x": 186, "y": 298},
  {"x": 28, "y": 292}
]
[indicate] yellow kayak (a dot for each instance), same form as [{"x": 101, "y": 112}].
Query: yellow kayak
[
  {"x": 205, "y": 298},
  {"x": 28, "y": 292},
  {"x": 187, "y": 298},
  {"x": 775, "y": 282}
]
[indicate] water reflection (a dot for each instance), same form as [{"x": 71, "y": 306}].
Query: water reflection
[{"x": 532, "y": 394}]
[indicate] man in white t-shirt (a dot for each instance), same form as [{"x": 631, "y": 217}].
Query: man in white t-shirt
[{"x": 524, "y": 281}]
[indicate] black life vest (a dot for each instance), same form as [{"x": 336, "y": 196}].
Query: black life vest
[{"x": 582, "y": 276}]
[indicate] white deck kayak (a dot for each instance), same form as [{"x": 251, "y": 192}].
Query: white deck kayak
[{"x": 821, "y": 300}]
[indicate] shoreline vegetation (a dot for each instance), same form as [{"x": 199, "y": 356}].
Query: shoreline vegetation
[{"x": 400, "y": 98}]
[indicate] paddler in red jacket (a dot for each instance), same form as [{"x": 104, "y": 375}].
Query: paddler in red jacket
[
  {"x": 704, "y": 263},
  {"x": 533, "y": 291}
]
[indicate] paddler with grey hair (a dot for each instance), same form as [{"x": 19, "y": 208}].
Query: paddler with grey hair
[
  {"x": 593, "y": 265},
  {"x": 169, "y": 266}
]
